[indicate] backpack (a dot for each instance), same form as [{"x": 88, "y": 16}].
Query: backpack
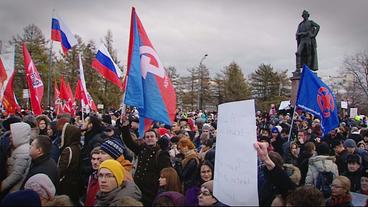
[{"x": 324, "y": 181}]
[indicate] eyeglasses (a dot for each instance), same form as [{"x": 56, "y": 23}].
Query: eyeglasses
[
  {"x": 205, "y": 193},
  {"x": 106, "y": 176},
  {"x": 336, "y": 186}
]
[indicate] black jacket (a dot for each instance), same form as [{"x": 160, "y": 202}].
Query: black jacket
[
  {"x": 151, "y": 160},
  {"x": 46, "y": 165}
]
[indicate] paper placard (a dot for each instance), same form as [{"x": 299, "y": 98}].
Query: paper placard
[
  {"x": 353, "y": 112},
  {"x": 344, "y": 104},
  {"x": 235, "y": 180},
  {"x": 358, "y": 199},
  {"x": 25, "y": 93}
]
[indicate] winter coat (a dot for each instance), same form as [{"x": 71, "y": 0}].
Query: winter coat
[
  {"x": 188, "y": 170},
  {"x": 151, "y": 160},
  {"x": 320, "y": 163},
  {"x": 276, "y": 182},
  {"x": 354, "y": 178},
  {"x": 69, "y": 162},
  {"x": 92, "y": 189},
  {"x": 5, "y": 148},
  {"x": 303, "y": 163},
  {"x": 19, "y": 162},
  {"x": 46, "y": 165},
  {"x": 113, "y": 198},
  {"x": 92, "y": 139}
]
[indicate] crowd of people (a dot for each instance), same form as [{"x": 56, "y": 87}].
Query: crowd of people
[{"x": 101, "y": 160}]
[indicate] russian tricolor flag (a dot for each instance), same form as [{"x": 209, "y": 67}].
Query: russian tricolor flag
[
  {"x": 61, "y": 33},
  {"x": 105, "y": 65}
]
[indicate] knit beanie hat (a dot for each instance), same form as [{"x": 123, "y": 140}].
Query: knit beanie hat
[
  {"x": 209, "y": 186},
  {"x": 323, "y": 149},
  {"x": 274, "y": 130},
  {"x": 350, "y": 143},
  {"x": 116, "y": 169},
  {"x": 22, "y": 198},
  {"x": 41, "y": 184},
  {"x": 113, "y": 147}
]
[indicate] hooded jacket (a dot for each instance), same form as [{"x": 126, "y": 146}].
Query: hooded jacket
[
  {"x": 320, "y": 163},
  {"x": 69, "y": 162},
  {"x": 19, "y": 162}
]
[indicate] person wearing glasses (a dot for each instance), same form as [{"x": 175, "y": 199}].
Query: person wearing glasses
[
  {"x": 112, "y": 185},
  {"x": 340, "y": 195},
  {"x": 206, "y": 197}
]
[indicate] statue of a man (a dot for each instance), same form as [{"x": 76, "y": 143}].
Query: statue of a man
[{"x": 307, "y": 45}]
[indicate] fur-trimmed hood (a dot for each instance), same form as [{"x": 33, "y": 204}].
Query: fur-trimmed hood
[{"x": 69, "y": 135}]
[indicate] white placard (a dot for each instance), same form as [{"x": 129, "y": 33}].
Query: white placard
[
  {"x": 235, "y": 181},
  {"x": 100, "y": 106},
  {"x": 25, "y": 93},
  {"x": 344, "y": 104},
  {"x": 358, "y": 199},
  {"x": 353, "y": 112}
]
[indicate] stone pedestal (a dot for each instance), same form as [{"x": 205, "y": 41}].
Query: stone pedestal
[{"x": 295, "y": 79}]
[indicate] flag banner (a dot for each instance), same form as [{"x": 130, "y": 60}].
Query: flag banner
[
  {"x": 58, "y": 104},
  {"x": 35, "y": 84},
  {"x": 317, "y": 98},
  {"x": 81, "y": 92},
  {"x": 61, "y": 33},
  {"x": 148, "y": 85},
  {"x": 105, "y": 65},
  {"x": 66, "y": 95},
  {"x": 7, "y": 96}
]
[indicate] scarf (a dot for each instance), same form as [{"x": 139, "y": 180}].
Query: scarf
[
  {"x": 191, "y": 154},
  {"x": 339, "y": 200},
  {"x": 105, "y": 199}
]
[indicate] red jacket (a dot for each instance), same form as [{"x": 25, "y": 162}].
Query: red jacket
[{"x": 92, "y": 190}]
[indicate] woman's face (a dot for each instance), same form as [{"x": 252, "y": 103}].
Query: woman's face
[
  {"x": 162, "y": 181},
  {"x": 294, "y": 150},
  {"x": 206, "y": 173},
  {"x": 338, "y": 188},
  {"x": 364, "y": 184},
  {"x": 205, "y": 198},
  {"x": 42, "y": 124},
  {"x": 50, "y": 132}
]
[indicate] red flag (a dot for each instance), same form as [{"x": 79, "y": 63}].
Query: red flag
[
  {"x": 9, "y": 101},
  {"x": 57, "y": 101},
  {"x": 35, "y": 84},
  {"x": 67, "y": 95},
  {"x": 3, "y": 75}
]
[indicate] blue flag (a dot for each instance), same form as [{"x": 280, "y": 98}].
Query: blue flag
[{"x": 317, "y": 98}]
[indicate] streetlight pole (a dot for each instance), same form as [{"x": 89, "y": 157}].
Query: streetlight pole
[{"x": 200, "y": 82}]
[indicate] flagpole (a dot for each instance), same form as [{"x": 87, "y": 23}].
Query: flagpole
[
  {"x": 49, "y": 76},
  {"x": 292, "y": 123}
]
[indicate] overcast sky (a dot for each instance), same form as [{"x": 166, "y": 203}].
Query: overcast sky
[{"x": 247, "y": 32}]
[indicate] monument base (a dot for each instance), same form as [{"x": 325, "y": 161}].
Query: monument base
[{"x": 295, "y": 79}]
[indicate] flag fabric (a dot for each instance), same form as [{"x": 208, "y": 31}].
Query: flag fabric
[
  {"x": 66, "y": 95},
  {"x": 35, "y": 84},
  {"x": 148, "y": 86},
  {"x": 106, "y": 66},
  {"x": 58, "y": 104},
  {"x": 81, "y": 92},
  {"x": 317, "y": 98},
  {"x": 3, "y": 75},
  {"x": 61, "y": 33},
  {"x": 7, "y": 96}
]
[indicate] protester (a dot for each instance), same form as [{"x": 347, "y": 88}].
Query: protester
[
  {"x": 206, "y": 197},
  {"x": 19, "y": 160},
  {"x": 364, "y": 183},
  {"x": 42, "y": 123},
  {"x": 93, "y": 187},
  {"x": 354, "y": 172},
  {"x": 41, "y": 160},
  {"x": 188, "y": 167},
  {"x": 340, "y": 195},
  {"x": 69, "y": 161},
  {"x": 43, "y": 186},
  {"x": 150, "y": 161},
  {"x": 112, "y": 186}
]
